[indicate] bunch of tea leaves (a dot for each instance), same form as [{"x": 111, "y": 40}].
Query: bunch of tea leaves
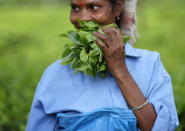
[{"x": 82, "y": 53}]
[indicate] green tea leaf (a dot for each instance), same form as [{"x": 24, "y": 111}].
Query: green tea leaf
[
  {"x": 94, "y": 46},
  {"x": 88, "y": 25},
  {"x": 126, "y": 39},
  {"x": 102, "y": 74},
  {"x": 94, "y": 52},
  {"x": 83, "y": 56},
  {"x": 82, "y": 68},
  {"x": 73, "y": 36},
  {"x": 102, "y": 68},
  {"x": 76, "y": 64},
  {"x": 66, "y": 52},
  {"x": 111, "y": 25},
  {"x": 83, "y": 53},
  {"x": 100, "y": 57},
  {"x": 89, "y": 38},
  {"x": 67, "y": 60}
]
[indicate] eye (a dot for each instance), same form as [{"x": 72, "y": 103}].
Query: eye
[
  {"x": 75, "y": 8},
  {"x": 94, "y": 7}
]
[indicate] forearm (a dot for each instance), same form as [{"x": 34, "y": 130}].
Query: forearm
[{"x": 146, "y": 116}]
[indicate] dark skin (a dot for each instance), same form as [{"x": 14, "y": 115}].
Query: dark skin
[{"x": 112, "y": 46}]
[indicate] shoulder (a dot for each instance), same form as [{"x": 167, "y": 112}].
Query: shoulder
[
  {"x": 141, "y": 53},
  {"x": 55, "y": 73},
  {"x": 142, "y": 57},
  {"x": 151, "y": 58},
  {"x": 55, "y": 69},
  {"x": 148, "y": 54}
]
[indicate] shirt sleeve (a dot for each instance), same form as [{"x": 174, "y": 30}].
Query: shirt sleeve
[
  {"x": 160, "y": 94},
  {"x": 39, "y": 120}
]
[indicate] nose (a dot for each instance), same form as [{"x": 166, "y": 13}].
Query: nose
[{"x": 85, "y": 16}]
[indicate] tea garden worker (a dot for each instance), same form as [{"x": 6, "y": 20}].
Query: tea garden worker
[{"x": 136, "y": 95}]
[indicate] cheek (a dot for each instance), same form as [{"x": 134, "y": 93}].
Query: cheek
[
  {"x": 73, "y": 19},
  {"x": 104, "y": 18}
]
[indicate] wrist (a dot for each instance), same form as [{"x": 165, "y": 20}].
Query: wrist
[{"x": 122, "y": 74}]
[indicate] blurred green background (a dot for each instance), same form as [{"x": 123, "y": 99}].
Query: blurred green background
[{"x": 29, "y": 42}]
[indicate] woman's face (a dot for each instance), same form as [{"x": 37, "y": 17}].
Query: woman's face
[{"x": 98, "y": 10}]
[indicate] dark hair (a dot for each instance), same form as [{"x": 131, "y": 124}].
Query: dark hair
[{"x": 113, "y": 2}]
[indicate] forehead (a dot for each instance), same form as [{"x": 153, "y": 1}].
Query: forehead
[{"x": 88, "y": 1}]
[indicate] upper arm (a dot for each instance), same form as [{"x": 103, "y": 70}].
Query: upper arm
[{"x": 39, "y": 118}]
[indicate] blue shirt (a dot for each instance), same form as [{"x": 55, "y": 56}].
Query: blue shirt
[{"x": 61, "y": 90}]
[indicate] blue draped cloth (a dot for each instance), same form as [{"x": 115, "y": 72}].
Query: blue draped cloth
[{"x": 103, "y": 119}]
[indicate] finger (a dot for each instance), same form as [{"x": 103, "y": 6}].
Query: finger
[
  {"x": 103, "y": 37},
  {"x": 110, "y": 30},
  {"x": 116, "y": 35},
  {"x": 112, "y": 33},
  {"x": 101, "y": 44}
]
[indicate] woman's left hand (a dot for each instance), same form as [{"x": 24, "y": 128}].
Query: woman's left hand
[{"x": 113, "y": 48}]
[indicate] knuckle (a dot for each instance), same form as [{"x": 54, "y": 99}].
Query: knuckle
[
  {"x": 118, "y": 48},
  {"x": 103, "y": 45},
  {"x": 104, "y": 37}
]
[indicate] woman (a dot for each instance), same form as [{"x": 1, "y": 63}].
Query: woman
[{"x": 137, "y": 95}]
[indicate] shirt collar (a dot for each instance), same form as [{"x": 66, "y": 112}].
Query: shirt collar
[{"x": 130, "y": 51}]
